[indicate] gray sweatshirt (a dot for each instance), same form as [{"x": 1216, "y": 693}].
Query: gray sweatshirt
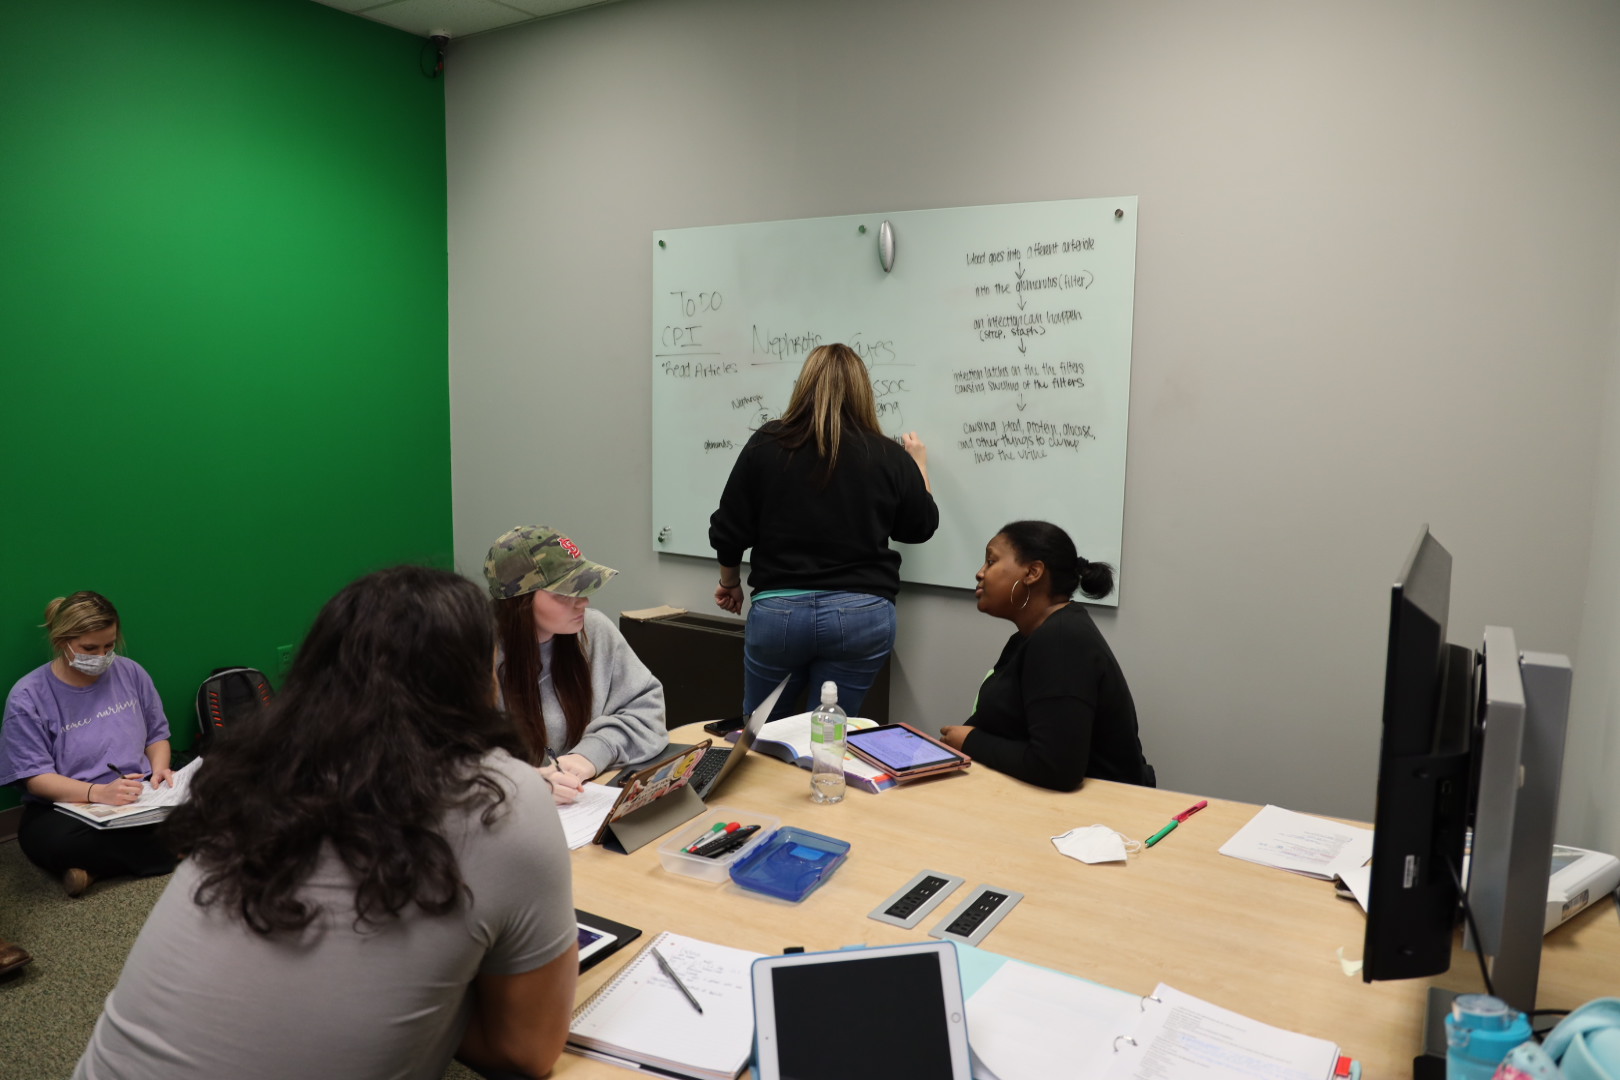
[{"x": 627, "y": 702}]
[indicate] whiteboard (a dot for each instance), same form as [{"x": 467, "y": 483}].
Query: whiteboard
[{"x": 1002, "y": 335}]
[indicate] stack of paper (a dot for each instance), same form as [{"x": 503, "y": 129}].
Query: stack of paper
[
  {"x": 1313, "y": 846},
  {"x": 582, "y": 819},
  {"x": 1180, "y": 1037}
]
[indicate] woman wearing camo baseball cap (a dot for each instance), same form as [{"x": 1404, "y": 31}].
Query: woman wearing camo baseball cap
[{"x": 582, "y": 700}]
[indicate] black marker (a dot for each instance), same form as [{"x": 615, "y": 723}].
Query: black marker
[{"x": 725, "y": 845}]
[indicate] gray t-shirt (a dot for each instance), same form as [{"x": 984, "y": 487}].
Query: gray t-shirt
[{"x": 202, "y": 996}]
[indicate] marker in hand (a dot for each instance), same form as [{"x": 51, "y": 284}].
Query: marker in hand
[{"x": 1177, "y": 820}]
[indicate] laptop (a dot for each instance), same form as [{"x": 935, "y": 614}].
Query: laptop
[{"x": 719, "y": 762}]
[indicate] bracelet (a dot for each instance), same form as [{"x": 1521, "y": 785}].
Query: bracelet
[
  {"x": 733, "y": 585},
  {"x": 89, "y": 790}
]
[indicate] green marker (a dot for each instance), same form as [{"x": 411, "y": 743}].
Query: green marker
[{"x": 1162, "y": 833}]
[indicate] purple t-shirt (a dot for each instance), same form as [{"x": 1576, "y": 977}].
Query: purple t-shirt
[{"x": 78, "y": 731}]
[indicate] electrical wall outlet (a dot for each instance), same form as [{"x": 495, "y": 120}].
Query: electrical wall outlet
[{"x": 284, "y": 659}]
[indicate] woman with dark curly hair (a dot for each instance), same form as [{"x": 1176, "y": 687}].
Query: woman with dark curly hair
[{"x": 373, "y": 880}]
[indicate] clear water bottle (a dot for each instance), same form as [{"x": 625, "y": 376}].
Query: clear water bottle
[{"x": 827, "y": 747}]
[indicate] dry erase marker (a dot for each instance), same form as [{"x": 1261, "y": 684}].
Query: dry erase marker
[
  {"x": 730, "y": 843},
  {"x": 1193, "y": 809},
  {"x": 676, "y": 979},
  {"x": 719, "y": 826},
  {"x": 720, "y": 840},
  {"x": 1177, "y": 820}
]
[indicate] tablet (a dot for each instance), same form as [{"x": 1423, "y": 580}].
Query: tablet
[
  {"x": 917, "y": 1027},
  {"x": 593, "y": 940},
  {"x": 900, "y": 749}
]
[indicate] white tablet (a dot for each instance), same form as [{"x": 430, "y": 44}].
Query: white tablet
[
  {"x": 915, "y": 1025},
  {"x": 592, "y": 940}
]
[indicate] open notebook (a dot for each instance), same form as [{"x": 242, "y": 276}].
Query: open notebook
[{"x": 641, "y": 1018}]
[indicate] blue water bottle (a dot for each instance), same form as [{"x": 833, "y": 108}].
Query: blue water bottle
[{"x": 1480, "y": 1031}]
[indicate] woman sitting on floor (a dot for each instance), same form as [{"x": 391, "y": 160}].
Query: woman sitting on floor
[
  {"x": 374, "y": 881},
  {"x": 85, "y": 728},
  {"x": 1055, "y": 709},
  {"x": 582, "y": 700}
]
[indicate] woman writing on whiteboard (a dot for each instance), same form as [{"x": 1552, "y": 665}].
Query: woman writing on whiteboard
[
  {"x": 1055, "y": 709},
  {"x": 818, "y": 494},
  {"x": 583, "y": 701}
]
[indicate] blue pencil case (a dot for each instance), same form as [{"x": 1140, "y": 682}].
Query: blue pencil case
[{"x": 791, "y": 864}]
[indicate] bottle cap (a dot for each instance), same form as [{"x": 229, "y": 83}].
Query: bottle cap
[{"x": 829, "y": 693}]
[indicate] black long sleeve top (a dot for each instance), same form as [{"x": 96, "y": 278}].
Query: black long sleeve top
[
  {"x": 1055, "y": 709},
  {"x": 816, "y": 533}
]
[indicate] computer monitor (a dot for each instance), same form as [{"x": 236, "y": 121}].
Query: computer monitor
[
  {"x": 1420, "y": 822},
  {"x": 1470, "y": 742}
]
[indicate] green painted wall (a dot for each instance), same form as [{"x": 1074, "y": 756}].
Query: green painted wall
[{"x": 223, "y": 328}]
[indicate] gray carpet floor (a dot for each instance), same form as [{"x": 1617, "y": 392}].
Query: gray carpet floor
[{"x": 48, "y": 1009}]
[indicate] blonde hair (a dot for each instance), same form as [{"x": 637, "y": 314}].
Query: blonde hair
[
  {"x": 833, "y": 390},
  {"x": 71, "y": 617}
]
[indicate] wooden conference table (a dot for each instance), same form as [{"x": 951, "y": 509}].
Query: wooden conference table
[{"x": 1250, "y": 938}]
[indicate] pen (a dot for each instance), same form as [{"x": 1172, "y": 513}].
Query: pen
[
  {"x": 1177, "y": 820},
  {"x": 676, "y": 979},
  {"x": 121, "y": 775}
]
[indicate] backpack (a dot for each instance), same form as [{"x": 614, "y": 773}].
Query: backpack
[{"x": 226, "y": 698}]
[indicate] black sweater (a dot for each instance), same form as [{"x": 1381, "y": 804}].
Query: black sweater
[
  {"x": 828, "y": 537},
  {"x": 1055, "y": 709}
]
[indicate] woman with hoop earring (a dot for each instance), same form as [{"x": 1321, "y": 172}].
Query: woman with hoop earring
[{"x": 1055, "y": 709}]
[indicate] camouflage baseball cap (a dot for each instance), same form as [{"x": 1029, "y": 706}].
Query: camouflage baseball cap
[{"x": 534, "y": 557}]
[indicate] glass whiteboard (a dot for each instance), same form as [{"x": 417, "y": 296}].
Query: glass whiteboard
[{"x": 1002, "y": 335}]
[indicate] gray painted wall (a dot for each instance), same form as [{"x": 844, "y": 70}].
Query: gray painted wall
[
  {"x": 1376, "y": 287},
  {"x": 1589, "y": 813}
]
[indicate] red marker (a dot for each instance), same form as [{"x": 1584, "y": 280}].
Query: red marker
[{"x": 1191, "y": 810}]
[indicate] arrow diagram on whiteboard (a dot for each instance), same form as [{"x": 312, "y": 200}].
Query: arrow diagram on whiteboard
[
  {"x": 1021, "y": 401},
  {"x": 1023, "y": 348}
]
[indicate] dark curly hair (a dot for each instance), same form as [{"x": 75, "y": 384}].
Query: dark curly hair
[
  {"x": 1041, "y": 541},
  {"x": 381, "y": 727}
]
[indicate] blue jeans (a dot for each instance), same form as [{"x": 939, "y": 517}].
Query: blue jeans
[{"x": 810, "y": 639}]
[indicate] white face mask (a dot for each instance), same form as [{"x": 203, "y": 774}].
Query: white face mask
[{"x": 90, "y": 665}]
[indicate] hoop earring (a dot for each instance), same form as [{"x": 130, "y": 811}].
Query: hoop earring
[{"x": 1014, "y": 592}]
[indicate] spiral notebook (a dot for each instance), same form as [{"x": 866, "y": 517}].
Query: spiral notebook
[{"x": 641, "y": 1019}]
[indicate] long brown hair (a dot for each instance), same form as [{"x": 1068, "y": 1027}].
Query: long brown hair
[
  {"x": 833, "y": 391},
  {"x": 382, "y": 725},
  {"x": 520, "y": 675}
]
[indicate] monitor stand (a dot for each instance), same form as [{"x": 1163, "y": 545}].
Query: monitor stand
[{"x": 1431, "y": 1064}]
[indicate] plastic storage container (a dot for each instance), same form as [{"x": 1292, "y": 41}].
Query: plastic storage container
[
  {"x": 673, "y": 855},
  {"x": 791, "y": 864}
]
